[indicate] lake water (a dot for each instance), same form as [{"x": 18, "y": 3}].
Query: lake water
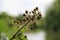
[{"x": 36, "y": 36}]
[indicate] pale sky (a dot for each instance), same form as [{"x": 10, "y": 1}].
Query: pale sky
[{"x": 16, "y": 7}]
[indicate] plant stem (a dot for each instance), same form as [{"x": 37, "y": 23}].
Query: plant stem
[{"x": 20, "y": 29}]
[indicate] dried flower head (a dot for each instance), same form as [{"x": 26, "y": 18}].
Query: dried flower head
[
  {"x": 37, "y": 8},
  {"x": 33, "y": 12},
  {"x": 27, "y": 18},
  {"x": 26, "y": 12},
  {"x": 38, "y": 18},
  {"x": 25, "y": 36},
  {"x": 36, "y": 15},
  {"x": 17, "y": 22},
  {"x": 24, "y": 15},
  {"x": 39, "y": 14}
]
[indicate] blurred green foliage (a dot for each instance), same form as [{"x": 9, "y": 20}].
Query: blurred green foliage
[
  {"x": 7, "y": 26},
  {"x": 53, "y": 16},
  {"x": 53, "y": 21}
]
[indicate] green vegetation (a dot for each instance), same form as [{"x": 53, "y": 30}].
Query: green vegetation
[{"x": 53, "y": 21}]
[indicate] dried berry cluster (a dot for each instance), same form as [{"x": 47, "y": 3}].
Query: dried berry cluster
[
  {"x": 33, "y": 15},
  {"x": 28, "y": 16}
]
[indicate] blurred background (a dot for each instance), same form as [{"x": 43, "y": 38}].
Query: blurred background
[{"x": 48, "y": 28}]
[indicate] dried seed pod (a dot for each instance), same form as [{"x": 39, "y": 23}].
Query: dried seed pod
[
  {"x": 25, "y": 36},
  {"x": 33, "y": 12},
  {"x": 17, "y": 22},
  {"x": 27, "y": 18},
  {"x": 26, "y": 12},
  {"x": 37, "y": 8},
  {"x": 39, "y": 14},
  {"x": 38, "y": 18},
  {"x": 24, "y": 15}
]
